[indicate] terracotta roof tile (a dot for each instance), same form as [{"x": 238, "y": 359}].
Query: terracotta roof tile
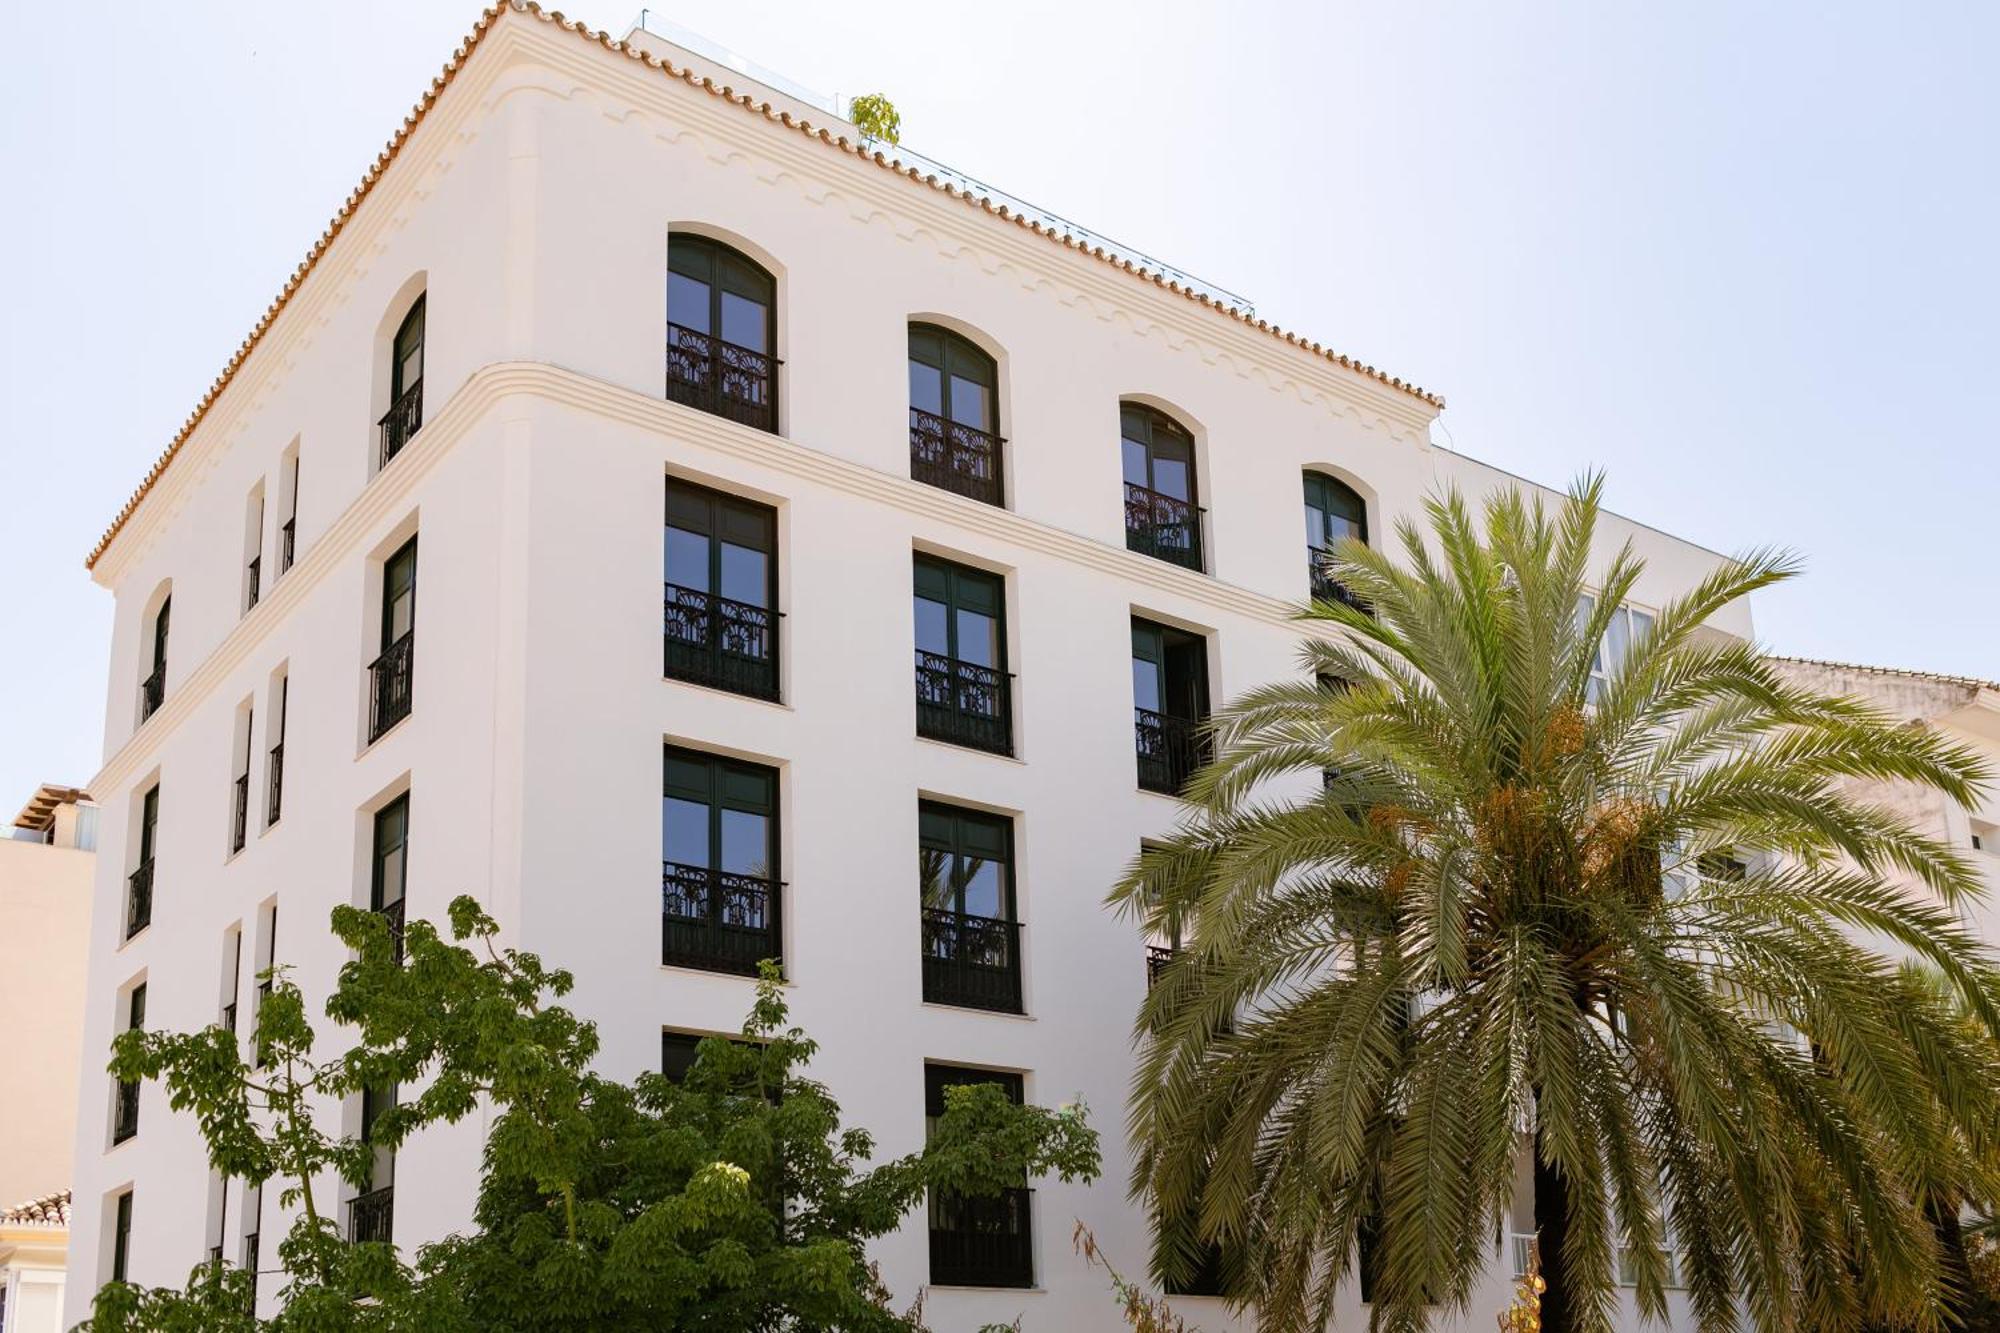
[
  {"x": 51, "y": 1210},
  {"x": 1942, "y": 678},
  {"x": 724, "y": 91}
]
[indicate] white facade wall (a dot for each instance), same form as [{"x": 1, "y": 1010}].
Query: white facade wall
[{"x": 535, "y": 201}]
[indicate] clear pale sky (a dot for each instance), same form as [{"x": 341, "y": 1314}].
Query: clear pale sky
[{"x": 1742, "y": 257}]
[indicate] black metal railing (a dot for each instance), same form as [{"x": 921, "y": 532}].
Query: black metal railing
[
  {"x": 1162, "y": 526},
  {"x": 256, "y": 577},
  {"x": 972, "y": 961},
  {"x": 139, "y": 899},
  {"x": 229, "y": 1017},
  {"x": 215, "y": 1255},
  {"x": 153, "y": 691},
  {"x": 125, "y": 1115},
  {"x": 982, "y": 1241},
  {"x": 717, "y": 641},
  {"x": 1158, "y": 958},
  {"x": 287, "y": 543},
  {"x": 263, "y": 1047},
  {"x": 953, "y": 456},
  {"x": 390, "y": 685},
  {"x": 715, "y": 376},
  {"x": 1325, "y": 587},
  {"x": 239, "y": 826},
  {"x": 404, "y": 419},
  {"x": 716, "y": 920},
  {"x": 1170, "y": 749},
  {"x": 964, "y": 704},
  {"x": 372, "y": 1216},
  {"x": 393, "y": 914},
  {"x": 276, "y": 802}
]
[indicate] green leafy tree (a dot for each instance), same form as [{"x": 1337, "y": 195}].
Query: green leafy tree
[
  {"x": 876, "y": 116},
  {"x": 1485, "y": 932},
  {"x": 731, "y": 1200}
]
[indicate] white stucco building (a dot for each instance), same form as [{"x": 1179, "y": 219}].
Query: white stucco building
[{"x": 959, "y": 521}]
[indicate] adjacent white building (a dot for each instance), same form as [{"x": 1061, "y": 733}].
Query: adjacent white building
[{"x": 645, "y": 475}]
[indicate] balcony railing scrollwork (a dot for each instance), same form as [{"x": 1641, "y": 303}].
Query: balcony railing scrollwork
[
  {"x": 1325, "y": 587},
  {"x": 964, "y": 704},
  {"x": 1162, "y": 526},
  {"x": 1158, "y": 958},
  {"x": 953, "y": 456},
  {"x": 153, "y": 691},
  {"x": 716, "y": 920},
  {"x": 720, "y": 642},
  {"x": 972, "y": 961},
  {"x": 393, "y": 914},
  {"x": 372, "y": 1216},
  {"x": 125, "y": 1117},
  {"x": 706, "y": 373},
  {"x": 1170, "y": 748},
  {"x": 982, "y": 1241},
  {"x": 389, "y": 689},
  {"x": 404, "y": 419},
  {"x": 139, "y": 899}
]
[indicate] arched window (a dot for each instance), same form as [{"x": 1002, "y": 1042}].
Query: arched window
[
  {"x": 153, "y": 689},
  {"x": 1162, "y": 516},
  {"x": 954, "y": 415},
  {"x": 722, "y": 332},
  {"x": 1333, "y": 512},
  {"x": 405, "y": 416}
]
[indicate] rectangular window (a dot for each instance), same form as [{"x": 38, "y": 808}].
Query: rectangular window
[
  {"x": 390, "y": 673},
  {"x": 371, "y": 1214},
  {"x": 1162, "y": 517},
  {"x": 139, "y": 886},
  {"x": 972, "y": 942},
  {"x": 405, "y": 416},
  {"x": 1170, "y": 704},
  {"x": 1628, "y": 626},
  {"x": 719, "y": 874},
  {"x": 125, "y": 1117},
  {"x": 963, "y": 690},
  {"x": 977, "y": 1242},
  {"x": 721, "y": 591},
  {"x": 274, "y": 798},
  {"x": 121, "y": 1238},
  {"x": 239, "y": 796},
  {"x": 153, "y": 690},
  {"x": 389, "y": 867}
]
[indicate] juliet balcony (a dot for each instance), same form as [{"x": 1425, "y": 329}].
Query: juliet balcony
[{"x": 718, "y": 921}]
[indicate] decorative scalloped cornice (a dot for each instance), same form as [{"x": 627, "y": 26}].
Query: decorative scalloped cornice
[
  {"x": 487, "y": 19},
  {"x": 393, "y": 492}
]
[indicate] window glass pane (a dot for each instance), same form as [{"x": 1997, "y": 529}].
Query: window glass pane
[
  {"x": 746, "y": 574},
  {"x": 746, "y": 843},
  {"x": 933, "y": 635},
  {"x": 1146, "y": 690},
  {"x": 1616, "y": 639},
  {"x": 411, "y": 368},
  {"x": 969, "y": 404},
  {"x": 744, "y": 322},
  {"x": 390, "y": 872},
  {"x": 687, "y": 302},
  {"x": 1170, "y": 477},
  {"x": 687, "y": 559},
  {"x": 1339, "y": 529},
  {"x": 1642, "y": 625},
  {"x": 983, "y": 886},
  {"x": 1134, "y": 456},
  {"x": 683, "y": 831},
  {"x": 401, "y": 616},
  {"x": 934, "y": 871},
  {"x": 926, "y": 388},
  {"x": 1315, "y": 527},
  {"x": 978, "y": 639}
]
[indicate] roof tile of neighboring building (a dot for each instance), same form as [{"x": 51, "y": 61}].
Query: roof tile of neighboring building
[
  {"x": 41, "y": 807},
  {"x": 1941, "y": 678},
  {"x": 51, "y": 1210},
  {"x": 727, "y": 93}
]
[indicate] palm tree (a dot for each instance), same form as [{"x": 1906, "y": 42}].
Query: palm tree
[{"x": 1613, "y": 913}]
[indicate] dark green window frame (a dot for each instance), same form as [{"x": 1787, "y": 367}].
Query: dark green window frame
[
  {"x": 399, "y": 591},
  {"x": 389, "y": 871},
  {"x": 983, "y": 1241},
  {"x": 1169, "y": 739},
  {"x": 953, "y": 833},
  {"x": 149, "y": 823},
  {"x": 1333, "y": 499},
  {"x": 722, "y": 642},
  {"x": 1160, "y": 521},
  {"x": 713, "y": 918},
  {"x": 121, "y": 1237},
  {"x": 407, "y": 346},
  {"x": 723, "y": 268},
  {"x": 960, "y": 700},
  {"x": 955, "y": 356}
]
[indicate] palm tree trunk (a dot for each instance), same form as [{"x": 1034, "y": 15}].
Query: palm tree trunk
[{"x": 1552, "y": 1228}]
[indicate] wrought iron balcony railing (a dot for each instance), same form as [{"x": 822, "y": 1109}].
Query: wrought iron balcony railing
[
  {"x": 404, "y": 419},
  {"x": 263, "y": 1051},
  {"x": 1162, "y": 526},
  {"x": 972, "y": 961},
  {"x": 275, "y": 804},
  {"x": 707, "y": 373},
  {"x": 393, "y": 914},
  {"x": 983, "y": 1241},
  {"x": 287, "y": 543},
  {"x": 1325, "y": 587},
  {"x": 720, "y": 642},
  {"x": 716, "y": 920},
  {"x": 125, "y": 1116},
  {"x": 964, "y": 704},
  {"x": 239, "y": 824},
  {"x": 256, "y": 576},
  {"x": 1170, "y": 749},
  {"x": 953, "y": 456},
  {"x": 372, "y": 1216},
  {"x": 390, "y": 685},
  {"x": 153, "y": 691},
  {"x": 139, "y": 899},
  {"x": 1158, "y": 958},
  {"x": 229, "y": 1017},
  {"x": 215, "y": 1255}
]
